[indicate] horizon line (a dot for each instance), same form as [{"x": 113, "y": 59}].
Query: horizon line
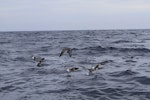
[{"x": 76, "y": 30}]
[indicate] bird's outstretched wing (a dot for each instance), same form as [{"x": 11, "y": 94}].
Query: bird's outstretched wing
[
  {"x": 69, "y": 52},
  {"x": 62, "y": 52},
  {"x": 97, "y": 67}
]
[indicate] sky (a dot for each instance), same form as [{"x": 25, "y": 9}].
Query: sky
[{"x": 38, "y": 15}]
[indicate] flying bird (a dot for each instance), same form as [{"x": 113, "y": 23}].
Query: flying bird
[
  {"x": 38, "y": 60},
  {"x": 90, "y": 70},
  {"x": 96, "y": 67},
  {"x": 73, "y": 69},
  {"x": 33, "y": 58},
  {"x": 68, "y": 50}
]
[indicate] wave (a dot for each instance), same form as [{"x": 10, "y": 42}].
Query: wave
[
  {"x": 139, "y": 93},
  {"x": 143, "y": 80},
  {"x": 123, "y": 73},
  {"x": 93, "y": 93},
  {"x": 122, "y": 41},
  {"x": 8, "y": 88},
  {"x": 22, "y": 59},
  {"x": 53, "y": 91},
  {"x": 100, "y": 48}
]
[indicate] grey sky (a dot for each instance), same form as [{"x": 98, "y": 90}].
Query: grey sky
[{"x": 28, "y": 15}]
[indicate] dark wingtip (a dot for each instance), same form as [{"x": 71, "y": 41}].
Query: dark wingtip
[{"x": 76, "y": 68}]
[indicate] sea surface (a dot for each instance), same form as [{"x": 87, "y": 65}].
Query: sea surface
[{"x": 124, "y": 76}]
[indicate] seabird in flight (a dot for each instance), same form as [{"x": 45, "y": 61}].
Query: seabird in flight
[{"x": 68, "y": 50}]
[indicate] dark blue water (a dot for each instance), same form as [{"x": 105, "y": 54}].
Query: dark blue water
[{"x": 126, "y": 75}]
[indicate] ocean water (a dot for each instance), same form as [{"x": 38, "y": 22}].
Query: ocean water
[{"x": 126, "y": 75}]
